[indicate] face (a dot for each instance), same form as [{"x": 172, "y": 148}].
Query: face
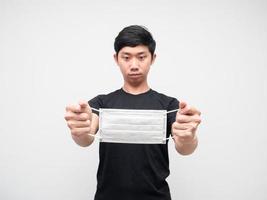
[{"x": 134, "y": 63}]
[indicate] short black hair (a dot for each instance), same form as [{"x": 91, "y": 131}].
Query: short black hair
[{"x": 134, "y": 35}]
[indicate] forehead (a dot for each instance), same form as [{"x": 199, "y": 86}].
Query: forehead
[{"x": 134, "y": 50}]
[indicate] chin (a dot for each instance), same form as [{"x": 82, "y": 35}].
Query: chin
[{"x": 135, "y": 82}]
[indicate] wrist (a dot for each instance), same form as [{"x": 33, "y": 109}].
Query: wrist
[
  {"x": 83, "y": 140},
  {"x": 186, "y": 147}
]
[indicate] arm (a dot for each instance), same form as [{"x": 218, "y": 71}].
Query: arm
[{"x": 184, "y": 129}]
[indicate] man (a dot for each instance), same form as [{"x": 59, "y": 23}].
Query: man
[{"x": 134, "y": 171}]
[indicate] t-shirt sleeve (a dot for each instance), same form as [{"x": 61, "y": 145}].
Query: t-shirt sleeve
[
  {"x": 171, "y": 117},
  {"x": 96, "y": 103}
]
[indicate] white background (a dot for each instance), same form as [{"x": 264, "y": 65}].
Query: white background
[{"x": 212, "y": 54}]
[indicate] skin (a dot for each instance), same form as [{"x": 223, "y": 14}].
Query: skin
[{"x": 134, "y": 64}]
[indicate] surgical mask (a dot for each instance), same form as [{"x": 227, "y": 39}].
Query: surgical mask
[{"x": 132, "y": 126}]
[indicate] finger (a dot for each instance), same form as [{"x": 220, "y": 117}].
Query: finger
[
  {"x": 80, "y": 131},
  {"x": 184, "y": 135},
  {"x": 187, "y": 140},
  {"x": 185, "y": 126},
  {"x": 187, "y": 118},
  {"x": 78, "y": 124},
  {"x": 76, "y": 116}
]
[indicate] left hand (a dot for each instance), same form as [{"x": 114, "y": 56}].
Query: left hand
[{"x": 185, "y": 126}]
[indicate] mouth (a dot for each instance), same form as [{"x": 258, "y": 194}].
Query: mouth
[{"x": 135, "y": 75}]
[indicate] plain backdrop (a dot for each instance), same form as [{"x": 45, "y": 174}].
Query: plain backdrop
[{"x": 212, "y": 54}]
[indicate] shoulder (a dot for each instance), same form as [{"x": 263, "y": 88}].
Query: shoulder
[
  {"x": 107, "y": 96},
  {"x": 101, "y": 98},
  {"x": 168, "y": 101},
  {"x": 163, "y": 97}
]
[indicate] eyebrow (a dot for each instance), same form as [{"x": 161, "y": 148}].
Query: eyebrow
[{"x": 139, "y": 53}]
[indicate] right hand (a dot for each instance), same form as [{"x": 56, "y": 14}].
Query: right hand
[{"x": 79, "y": 118}]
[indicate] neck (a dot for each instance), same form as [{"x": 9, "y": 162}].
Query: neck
[{"x": 135, "y": 89}]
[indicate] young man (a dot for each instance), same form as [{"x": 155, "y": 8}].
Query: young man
[{"x": 134, "y": 171}]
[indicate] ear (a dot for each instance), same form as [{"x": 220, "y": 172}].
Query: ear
[
  {"x": 115, "y": 56},
  {"x": 153, "y": 59}
]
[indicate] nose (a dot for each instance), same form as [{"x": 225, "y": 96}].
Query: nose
[{"x": 134, "y": 65}]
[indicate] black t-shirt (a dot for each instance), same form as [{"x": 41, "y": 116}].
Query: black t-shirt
[{"x": 134, "y": 171}]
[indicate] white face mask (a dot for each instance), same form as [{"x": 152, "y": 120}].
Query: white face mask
[{"x": 133, "y": 126}]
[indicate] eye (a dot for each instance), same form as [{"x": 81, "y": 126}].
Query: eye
[
  {"x": 142, "y": 57},
  {"x": 126, "y": 58}
]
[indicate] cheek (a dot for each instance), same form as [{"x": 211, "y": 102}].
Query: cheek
[
  {"x": 123, "y": 68},
  {"x": 146, "y": 66}
]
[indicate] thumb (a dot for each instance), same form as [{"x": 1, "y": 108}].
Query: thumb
[
  {"x": 85, "y": 107},
  {"x": 83, "y": 104},
  {"x": 182, "y": 105}
]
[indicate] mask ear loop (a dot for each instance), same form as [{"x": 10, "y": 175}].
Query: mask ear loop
[
  {"x": 171, "y": 111},
  {"x": 95, "y": 109}
]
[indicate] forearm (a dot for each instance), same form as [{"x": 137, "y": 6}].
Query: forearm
[{"x": 186, "y": 148}]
